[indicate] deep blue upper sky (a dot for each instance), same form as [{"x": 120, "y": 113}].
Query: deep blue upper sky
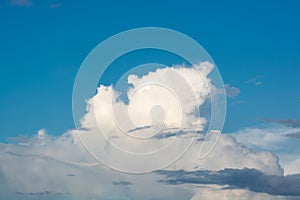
[{"x": 41, "y": 49}]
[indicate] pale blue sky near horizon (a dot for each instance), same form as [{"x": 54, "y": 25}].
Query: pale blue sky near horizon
[{"x": 255, "y": 45}]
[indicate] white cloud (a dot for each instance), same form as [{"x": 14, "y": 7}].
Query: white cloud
[
  {"x": 280, "y": 140},
  {"x": 165, "y": 100},
  {"x": 45, "y": 166},
  {"x": 179, "y": 91},
  {"x": 60, "y": 167},
  {"x": 214, "y": 192},
  {"x": 228, "y": 153},
  {"x": 292, "y": 163}
]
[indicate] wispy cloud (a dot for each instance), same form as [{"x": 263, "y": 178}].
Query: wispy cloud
[
  {"x": 22, "y": 3},
  {"x": 232, "y": 91},
  {"x": 295, "y": 123},
  {"x": 55, "y": 5},
  {"x": 257, "y": 80},
  {"x": 291, "y": 123}
]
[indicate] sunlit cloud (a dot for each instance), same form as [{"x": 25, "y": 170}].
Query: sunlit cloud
[{"x": 281, "y": 140}]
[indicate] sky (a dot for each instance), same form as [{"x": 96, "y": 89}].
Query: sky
[
  {"x": 42, "y": 47},
  {"x": 254, "y": 44}
]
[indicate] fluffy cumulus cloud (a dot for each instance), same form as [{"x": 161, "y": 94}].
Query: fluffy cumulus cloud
[
  {"x": 174, "y": 93},
  {"x": 281, "y": 140},
  {"x": 161, "y": 121}
]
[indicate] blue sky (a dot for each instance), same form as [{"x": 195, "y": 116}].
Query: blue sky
[{"x": 43, "y": 45}]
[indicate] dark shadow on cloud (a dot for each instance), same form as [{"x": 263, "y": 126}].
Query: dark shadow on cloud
[
  {"x": 122, "y": 183},
  {"x": 294, "y": 135},
  {"x": 250, "y": 179},
  {"x": 138, "y": 129},
  {"x": 70, "y": 175},
  {"x": 181, "y": 133},
  {"x": 42, "y": 193},
  {"x": 170, "y": 132}
]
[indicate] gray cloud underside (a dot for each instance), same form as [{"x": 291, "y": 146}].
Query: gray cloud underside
[
  {"x": 250, "y": 179},
  {"x": 294, "y": 135}
]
